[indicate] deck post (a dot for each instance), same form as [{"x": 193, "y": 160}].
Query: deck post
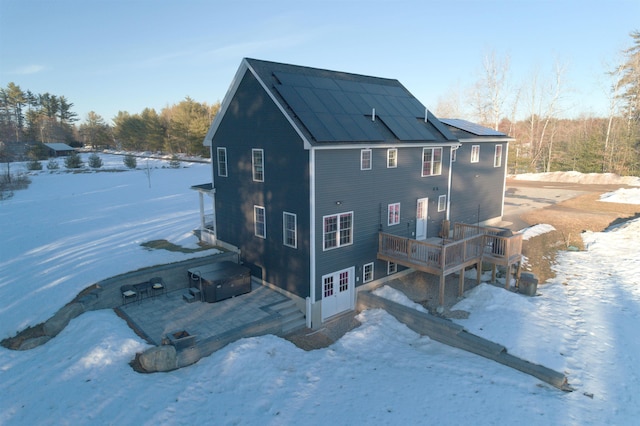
[
  {"x": 479, "y": 271},
  {"x": 461, "y": 283},
  {"x": 493, "y": 273},
  {"x": 441, "y": 298}
]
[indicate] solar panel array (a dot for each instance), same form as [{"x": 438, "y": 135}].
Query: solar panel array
[
  {"x": 470, "y": 127},
  {"x": 339, "y": 110}
]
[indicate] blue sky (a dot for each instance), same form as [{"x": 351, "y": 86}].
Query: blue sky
[{"x": 112, "y": 55}]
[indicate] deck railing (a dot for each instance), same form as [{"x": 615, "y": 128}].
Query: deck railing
[
  {"x": 438, "y": 257},
  {"x": 471, "y": 243}
]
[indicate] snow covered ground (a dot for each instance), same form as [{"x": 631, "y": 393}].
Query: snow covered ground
[{"x": 68, "y": 230}]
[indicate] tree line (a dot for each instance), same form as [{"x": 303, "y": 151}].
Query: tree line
[
  {"x": 544, "y": 141},
  {"x": 27, "y": 118},
  {"x": 179, "y": 128}
]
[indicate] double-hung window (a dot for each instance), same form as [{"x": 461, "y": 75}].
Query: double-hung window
[
  {"x": 442, "y": 203},
  {"x": 475, "y": 153},
  {"x": 367, "y": 272},
  {"x": 392, "y": 158},
  {"x": 257, "y": 162},
  {"x": 392, "y": 268},
  {"x": 338, "y": 230},
  {"x": 497, "y": 158},
  {"x": 222, "y": 162},
  {"x": 393, "y": 214},
  {"x": 431, "y": 161},
  {"x": 259, "y": 222},
  {"x": 289, "y": 229},
  {"x": 365, "y": 159}
]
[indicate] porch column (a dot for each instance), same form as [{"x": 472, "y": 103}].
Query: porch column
[
  {"x": 200, "y": 196},
  {"x": 214, "y": 218}
]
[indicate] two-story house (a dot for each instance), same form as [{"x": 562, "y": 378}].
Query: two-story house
[{"x": 311, "y": 165}]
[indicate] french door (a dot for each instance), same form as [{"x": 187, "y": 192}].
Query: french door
[{"x": 338, "y": 292}]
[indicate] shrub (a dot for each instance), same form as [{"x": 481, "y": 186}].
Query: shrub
[
  {"x": 130, "y": 161},
  {"x": 53, "y": 164},
  {"x": 95, "y": 162},
  {"x": 10, "y": 183},
  {"x": 174, "y": 163},
  {"x": 73, "y": 161},
  {"x": 34, "y": 165}
]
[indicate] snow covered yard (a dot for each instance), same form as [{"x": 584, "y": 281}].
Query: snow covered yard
[{"x": 69, "y": 230}]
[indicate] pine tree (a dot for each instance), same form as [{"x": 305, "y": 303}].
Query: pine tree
[
  {"x": 73, "y": 161},
  {"x": 630, "y": 79},
  {"x": 95, "y": 162}
]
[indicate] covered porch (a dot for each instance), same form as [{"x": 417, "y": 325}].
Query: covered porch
[
  {"x": 207, "y": 229},
  {"x": 470, "y": 245}
]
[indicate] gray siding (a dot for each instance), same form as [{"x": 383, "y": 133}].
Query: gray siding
[
  {"x": 477, "y": 187},
  {"x": 367, "y": 193},
  {"x": 254, "y": 121}
]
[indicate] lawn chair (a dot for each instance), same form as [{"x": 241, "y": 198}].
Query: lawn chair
[
  {"x": 128, "y": 294},
  {"x": 157, "y": 286}
]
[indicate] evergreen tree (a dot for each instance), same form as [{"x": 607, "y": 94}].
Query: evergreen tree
[
  {"x": 130, "y": 161},
  {"x": 630, "y": 79},
  {"x": 95, "y": 162},
  {"x": 73, "y": 161},
  {"x": 94, "y": 131}
]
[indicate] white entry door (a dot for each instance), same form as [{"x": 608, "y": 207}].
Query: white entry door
[
  {"x": 337, "y": 292},
  {"x": 421, "y": 218}
]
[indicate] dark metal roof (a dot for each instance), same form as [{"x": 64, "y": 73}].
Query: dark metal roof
[
  {"x": 338, "y": 107},
  {"x": 57, "y": 146},
  {"x": 206, "y": 187},
  {"x": 469, "y": 128}
]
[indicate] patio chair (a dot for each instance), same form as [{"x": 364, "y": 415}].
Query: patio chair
[
  {"x": 128, "y": 294},
  {"x": 157, "y": 286}
]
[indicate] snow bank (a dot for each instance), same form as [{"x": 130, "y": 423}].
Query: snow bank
[
  {"x": 397, "y": 296},
  {"x": 622, "y": 195},
  {"x": 577, "y": 177},
  {"x": 534, "y": 231}
]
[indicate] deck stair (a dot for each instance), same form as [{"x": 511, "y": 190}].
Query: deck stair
[{"x": 292, "y": 318}]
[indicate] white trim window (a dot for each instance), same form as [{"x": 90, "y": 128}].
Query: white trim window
[
  {"x": 475, "y": 153},
  {"x": 454, "y": 155},
  {"x": 367, "y": 273},
  {"x": 337, "y": 231},
  {"x": 393, "y": 215},
  {"x": 497, "y": 157},
  {"x": 365, "y": 159},
  {"x": 392, "y": 158},
  {"x": 431, "y": 161},
  {"x": 442, "y": 203},
  {"x": 289, "y": 230},
  {"x": 222, "y": 162},
  {"x": 259, "y": 222},
  {"x": 257, "y": 164},
  {"x": 392, "y": 268}
]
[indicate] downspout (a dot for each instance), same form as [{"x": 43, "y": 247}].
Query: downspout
[
  {"x": 312, "y": 234},
  {"x": 504, "y": 182}
]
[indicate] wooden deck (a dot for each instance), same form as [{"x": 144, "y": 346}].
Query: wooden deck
[{"x": 470, "y": 245}]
